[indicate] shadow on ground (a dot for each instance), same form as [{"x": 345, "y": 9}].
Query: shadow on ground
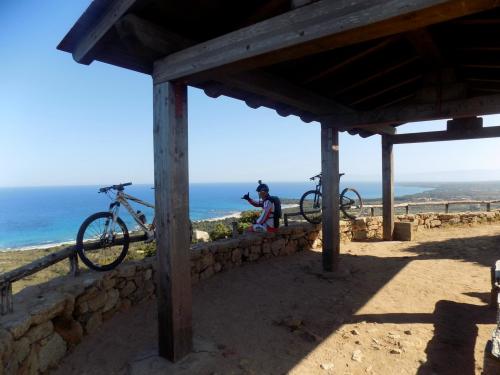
[{"x": 251, "y": 315}]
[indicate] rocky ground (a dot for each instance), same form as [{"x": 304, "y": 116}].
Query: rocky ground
[{"x": 393, "y": 308}]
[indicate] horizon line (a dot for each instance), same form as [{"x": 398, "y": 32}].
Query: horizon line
[{"x": 253, "y": 182}]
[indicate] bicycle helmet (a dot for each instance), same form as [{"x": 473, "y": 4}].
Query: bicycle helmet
[{"x": 262, "y": 187}]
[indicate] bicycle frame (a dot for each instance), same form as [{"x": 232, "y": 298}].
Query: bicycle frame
[{"x": 122, "y": 199}]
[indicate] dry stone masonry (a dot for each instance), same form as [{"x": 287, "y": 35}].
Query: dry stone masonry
[{"x": 51, "y": 319}]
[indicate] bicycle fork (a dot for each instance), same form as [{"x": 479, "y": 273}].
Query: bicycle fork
[{"x": 109, "y": 225}]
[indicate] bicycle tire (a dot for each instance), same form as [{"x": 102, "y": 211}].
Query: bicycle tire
[
  {"x": 314, "y": 217},
  {"x": 351, "y": 203},
  {"x": 95, "y": 251}
]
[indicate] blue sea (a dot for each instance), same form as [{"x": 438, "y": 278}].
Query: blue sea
[{"x": 43, "y": 216}]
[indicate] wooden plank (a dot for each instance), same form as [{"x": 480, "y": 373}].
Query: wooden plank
[
  {"x": 380, "y": 129},
  {"x": 282, "y": 91},
  {"x": 172, "y": 220},
  {"x": 330, "y": 202},
  {"x": 488, "y": 132},
  {"x": 113, "y": 13},
  {"x": 426, "y": 48},
  {"x": 147, "y": 39},
  {"x": 378, "y": 74},
  {"x": 387, "y": 188},
  {"x": 387, "y": 89},
  {"x": 477, "y": 106},
  {"x": 53, "y": 258},
  {"x": 332, "y": 69},
  {"x": 314, "y": 28}
]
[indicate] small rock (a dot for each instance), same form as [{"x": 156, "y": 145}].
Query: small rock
[
  {"x": 357, "y": 355},
  {"x": 355, "y": 332},
  {"x": 368, "y": 369},
  {"x": 357, "y": 342},
  {"x": 327, "y": 366},
  {"x": 396, "y": 351},
  {"x": 292, "y": 323},
  {"x": 408, "y": 332}
]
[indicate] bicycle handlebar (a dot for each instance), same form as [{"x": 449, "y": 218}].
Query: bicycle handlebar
[
  {"x": 119, "y": 187},
  {"x": 319, "y": 176}
]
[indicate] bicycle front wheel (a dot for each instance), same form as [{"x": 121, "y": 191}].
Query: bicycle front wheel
[
  {"x": 351, "y": 204},
  {"x": 102, "y": 244},
  {"x": 310, "y": 206}
]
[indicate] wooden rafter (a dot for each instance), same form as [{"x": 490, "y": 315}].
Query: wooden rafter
[
  {"x": 335, "y": 67},
  {"x": 376, "y": 75},
  {"x": 477, "y": 106},
  {"x": 397, "y": 100},
  {"x": 488, "y": 132},
  {"x": 116, "y": 9},
  {"x": 387, "y": 89},
  {"x": 283, "y": 91},
  {"x": 147, "y": 39},
  {"x": 485, "y": 80},
  {"x": 330, "y": 24},
  {"x": 481, "y": 66},
  {"x": 425, "y": 46}
]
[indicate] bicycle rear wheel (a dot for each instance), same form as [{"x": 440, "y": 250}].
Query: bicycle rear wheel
[
  {"x": 351, "y": 203},
  {"x": 310, "y": 206},
  {"x": 101, "y": 244}
]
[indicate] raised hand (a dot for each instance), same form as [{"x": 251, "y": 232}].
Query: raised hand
[{"x": 246, "y": 196}]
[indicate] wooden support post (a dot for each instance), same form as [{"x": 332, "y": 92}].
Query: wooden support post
[
  {"x": 387, "y": 188},
  {"x": 407, "y": 208},
  {"x": 330, "y": 202},
  {"x": 234, "y": 228},
  {"x": 73, "y": 265},
  {"x": 488, "y": 206},
  {"x": 372, "y": 211},
  {"x": 446, "y": 208},
  {"x": 170, "y": 140}
]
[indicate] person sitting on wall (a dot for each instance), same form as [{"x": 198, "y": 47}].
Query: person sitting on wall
[{"x": 265, "y": 222}]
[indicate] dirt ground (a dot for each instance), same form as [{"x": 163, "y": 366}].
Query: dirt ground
[{"x": 394, "y": 308}]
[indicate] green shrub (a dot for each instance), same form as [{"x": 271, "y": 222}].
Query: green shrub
[
  {"x": 220, "y": 231},
  {"x": 249, "y": 217},
  {"x": 243, "y": 227}
]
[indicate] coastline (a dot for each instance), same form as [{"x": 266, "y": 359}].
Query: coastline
[
  {"x": 49, "y": 245},
  {"x": 433, "y": 191}
]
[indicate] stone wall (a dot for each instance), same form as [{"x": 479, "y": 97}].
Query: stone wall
[
  {"x": 212, "y": 257},
  {"x": 366, "y": 228},
  {"x": 52, "y": 318},
  {"x": 437, "y": 220}
]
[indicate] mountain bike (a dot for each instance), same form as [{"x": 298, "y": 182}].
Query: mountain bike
[
  {"x": 351, "y": 203},
  {"x": 103, "y": 238}
]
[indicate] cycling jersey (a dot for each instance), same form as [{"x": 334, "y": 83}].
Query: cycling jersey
[{"x": 266, "y": 218}]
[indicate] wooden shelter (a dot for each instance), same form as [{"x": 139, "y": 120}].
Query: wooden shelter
[{"x": 362, "y": 66}]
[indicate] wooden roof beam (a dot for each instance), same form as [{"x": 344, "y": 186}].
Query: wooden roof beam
[
  {"x": 426, "y": 48},
  {"x": 477, "y": 106},
  {"x": 147, "y": 39},
  {"x": 82, "y": 53},
  {"x": 387, "y": 89},
  {"x": 376, "y": 75},
  {"x": 282, "y": 91},
  {"x": 328, "y": 24},
  {"x": 489, "y": 132},
  {"x": 335, "y": 67}
]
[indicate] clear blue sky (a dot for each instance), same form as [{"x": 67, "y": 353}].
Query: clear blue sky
[{"x": 63, "y": 123}]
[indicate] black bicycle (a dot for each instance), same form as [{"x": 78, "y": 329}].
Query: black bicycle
[{"x": 351, "y": 203}]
